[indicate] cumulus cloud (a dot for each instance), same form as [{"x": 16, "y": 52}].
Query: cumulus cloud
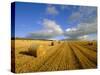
[
  {"x": 88, "y": 37},
  {"x": 41, "y": 35},
  {"x": 86, "y": 18},
  {"x": 53, "y": 26},
  {"x": 84, "y": 37},
  {"x": 81, "y": 30},
  {"x": 84, "y": 14},
  {"x": 71, "y": 29},
  {"x": 50, "y": 29},
  {"x": 51, "y": 10}
]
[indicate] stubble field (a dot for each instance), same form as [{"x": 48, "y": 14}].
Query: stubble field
[{"x": 53, "y": 55}]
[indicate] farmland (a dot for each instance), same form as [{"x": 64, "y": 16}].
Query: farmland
[{"x": 54, "y": 55}]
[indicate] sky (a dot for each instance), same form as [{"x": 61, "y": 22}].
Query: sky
[{"x": 56, "y": 22}]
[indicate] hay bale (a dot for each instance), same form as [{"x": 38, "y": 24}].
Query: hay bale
[
  {"x": 52, "y": 43},
  {"x": 37, "y": 50},
  {"x": 90, "y": 43},
  {"x": 32, "y": 50}
]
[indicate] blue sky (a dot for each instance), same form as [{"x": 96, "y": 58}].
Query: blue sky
[{"x": 49, "y": 21}]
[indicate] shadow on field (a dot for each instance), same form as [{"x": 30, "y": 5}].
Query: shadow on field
[{"x": 27, "y": 53}]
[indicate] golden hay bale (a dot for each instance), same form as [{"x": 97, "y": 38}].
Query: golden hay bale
[
  {"x": 52, "y": 43},
  {"x": 36, "y": 50},
  {"x": 90, "y": 43},
  {"x": 32, "y": 50}
]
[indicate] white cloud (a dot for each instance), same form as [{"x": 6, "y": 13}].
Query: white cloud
[
  {"x": 87, "y": 24},
  {"x": 71, "y": 29},
  {"x": 52, "y": 25},
  {"x": 84, "y": 37},
  {"x": 75, "y": 16},
  {"x": 86, "y": 18},
  {"x": 50, "y": 29},
  {"x": 84, "y": 14},
  {"x": 81, "y": 30},
  {"x": 51, "y": 10},
  {"x": 88, "y": 37}
]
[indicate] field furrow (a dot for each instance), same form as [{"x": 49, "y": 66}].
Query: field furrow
[
  {"x": 92, "y": 55},
  {"x": 84, "y": 61},
  {"x": 59, "y": 55}
]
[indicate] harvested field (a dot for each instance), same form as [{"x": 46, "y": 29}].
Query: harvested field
[{"x": 56, "y": 56}]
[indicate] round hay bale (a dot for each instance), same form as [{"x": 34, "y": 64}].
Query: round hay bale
[
  {"x": 90, "y": 43},
  {"x": 37, "y": 50},
  {"x": 32, "y": 50}
]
